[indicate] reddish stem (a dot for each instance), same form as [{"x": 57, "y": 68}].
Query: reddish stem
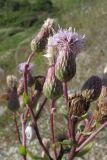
[
  {"x": 73, "y": 134},
  {"x": 37, "y": 132},
  {"x": 65, "y": 91},
  {"x": 30, "y": 107},
  {"x": 88, "y": 124},
  {"x": 17, "y": 128}
]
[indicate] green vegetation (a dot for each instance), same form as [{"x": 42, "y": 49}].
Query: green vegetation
[{"x": 21, "y": 19}]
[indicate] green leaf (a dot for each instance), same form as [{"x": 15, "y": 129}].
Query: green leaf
[
  {"x": 66, "y": 142},
  {"x": 32, "y": 156},
  {"x": 56, "y": 145},
  {"x": 37, "y": 107},
  {"x": 63, "y": 158},
  {"x": 80, "y": 127},
  {"x": 97, "y": 124},
  {"x": 25, "y": 98},
  {"x": 22, "y": 150},
  {"x": 85, "y": 150},
  {"x": 83, "y": 117},
  {"x": 45, "y": 157},
  {"x": 86, "y": 133}
]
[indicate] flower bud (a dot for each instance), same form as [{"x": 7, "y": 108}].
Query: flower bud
[
  {"x": 11, "y": 81},
  {"x": 52, "y": 87},
  {"x": 92, "y": 88},
  {"x": 77, "y": 105},
  {"x": 65, "y": 67},
  {"x": 39, "y": 42},
  {"x": 13, "y": 101},
  {"x": 30, "y": 133}
]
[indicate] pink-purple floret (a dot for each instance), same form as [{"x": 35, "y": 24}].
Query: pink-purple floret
[
  {"x": 21, "y": 67},
  {"x": 68, "y": 37}
]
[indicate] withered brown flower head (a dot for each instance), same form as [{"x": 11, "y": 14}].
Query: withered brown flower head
[
  {"x": 101, "y": 110},
  {"x": 78, "y": 105}
]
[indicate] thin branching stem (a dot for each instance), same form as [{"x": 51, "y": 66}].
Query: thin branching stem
[
  {"x": 41, "y": 108},
  {"x": 37, "y": 131},
  {"x": 65, "y": 91},
  {"x": 31, "y": 110},
  {"x": 91, "y": 137}
]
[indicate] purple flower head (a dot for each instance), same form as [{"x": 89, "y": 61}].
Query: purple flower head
[
  {"x": 67, "y": 38},
  {"x": 21, "y": 67}
]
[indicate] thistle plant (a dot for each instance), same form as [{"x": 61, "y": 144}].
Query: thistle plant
[{"x": 81, "y": 120}]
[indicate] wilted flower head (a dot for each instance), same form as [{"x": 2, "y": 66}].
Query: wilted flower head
[
  {"x": 48, "y": 23},
  {"x": 21, "y": 67},
  {"x": 77, "y": 105},
  {"x": 101, "y": 110},
  {"x": 39, "y": 42},
  {"x": 11, "y": 81},
  {"x": 70, "y": 38}
]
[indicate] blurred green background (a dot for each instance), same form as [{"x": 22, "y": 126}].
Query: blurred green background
[{"x": 20, "y": 20}]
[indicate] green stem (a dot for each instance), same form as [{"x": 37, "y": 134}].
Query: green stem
[
  {"x": 53, "y": 126},
  {"x": 23, "y": 134},
  {"x": 65, "y": 91}
]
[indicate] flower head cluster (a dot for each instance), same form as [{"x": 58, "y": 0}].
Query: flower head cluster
[{"x": 64, "y": 39}]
